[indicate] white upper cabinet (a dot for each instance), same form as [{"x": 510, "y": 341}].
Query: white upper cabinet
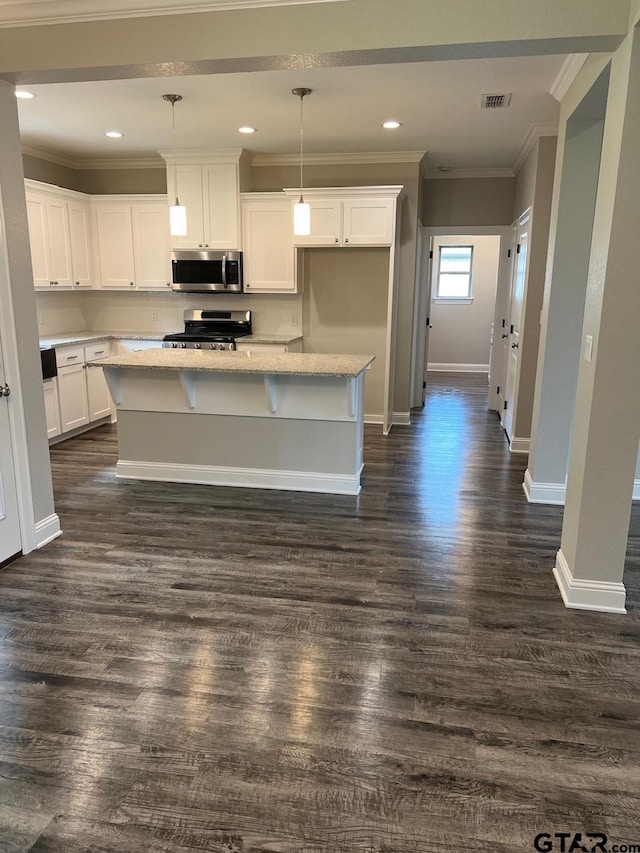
[
  {"x": 37, "y": 219},
  {"x": 151, "y": 246},
  {"x": 58, "y": 241},
  {"x": 190, "y": 196},
  {"x": 349, "y": 216},
  {"x": 80, "y": 238},
  {"x": 115, "y": 245},
  {"x": 49, "y": 239},
  {"x": 326, "y": 223},
  {"x": 209, "y": 187},
  {"x": 132, "y": 238},
  {"x": 268, "y": 243},
  {"x": 59, "y": 236},
  {"x": 368, "y": 221}
]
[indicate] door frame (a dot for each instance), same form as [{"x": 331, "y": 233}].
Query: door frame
[
  {"x": 17, "y": 422},
  {"x": 422, "y": 309}
]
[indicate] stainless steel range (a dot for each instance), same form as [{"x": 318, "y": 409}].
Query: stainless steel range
[{"x": 210, "y": 330}]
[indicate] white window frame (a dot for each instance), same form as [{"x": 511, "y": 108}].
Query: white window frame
[{"x": 455, "y": 300}]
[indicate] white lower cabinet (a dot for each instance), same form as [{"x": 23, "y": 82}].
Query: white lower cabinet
[
  {"x": 79, "y": 395},
  {"x": 72, "y": 393},
  {"x": 99, "y": 399},
  {"x": 52, "y": 407}
]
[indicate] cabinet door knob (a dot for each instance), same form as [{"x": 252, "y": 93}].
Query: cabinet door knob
[
  {"x": 168, "y": 284},
  {"x": 346, "y": 239},
  {"x": 247, "y": 286},
  {"x": 337, "y": 240},
  {"x": 199, "y": 245},
  {"x": 130, "y": 284},
  {"x": 77, "y": 284}
]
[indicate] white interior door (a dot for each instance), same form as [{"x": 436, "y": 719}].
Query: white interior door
[
  {"x": 518, "y": 285},
  {"x": 10, "y": 540},
  {"x": 427, "y": 267}
]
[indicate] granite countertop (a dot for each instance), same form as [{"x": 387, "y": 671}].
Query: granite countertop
[
  {"x": 86, "y": 337},
  {"x": 269, "y": 339},
  {"x": 278, "y": 363}
]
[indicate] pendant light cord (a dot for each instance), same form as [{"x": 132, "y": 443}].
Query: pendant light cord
[
  {"x": 301, "y": 149},
  {"x": 175, "y": 156}
]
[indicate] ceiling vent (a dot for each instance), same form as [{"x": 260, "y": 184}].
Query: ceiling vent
[{"x": 494, "y": 102}]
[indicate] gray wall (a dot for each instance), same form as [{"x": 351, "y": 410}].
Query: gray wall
[
  {"x": 467, "y": 201},
  {"x": 95, "y": 181},
  {"x": 461, "y": 333}
]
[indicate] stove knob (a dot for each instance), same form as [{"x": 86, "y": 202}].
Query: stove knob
[
  {"x": 183, "y": 346},
  {"x": 220, "y": 346},
  {"x": 174, "y": 345},
  {"x": 198, "y": 346}
]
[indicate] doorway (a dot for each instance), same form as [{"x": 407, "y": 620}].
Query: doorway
[{"x": 455, "y": 329}]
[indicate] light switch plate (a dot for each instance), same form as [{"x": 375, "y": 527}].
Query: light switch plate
[{"x": 588, "y": 347}]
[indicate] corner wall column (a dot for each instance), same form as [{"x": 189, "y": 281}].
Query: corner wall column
[
  {"x": 565, "y": 293},
  {"x": 606, "y": 424}
]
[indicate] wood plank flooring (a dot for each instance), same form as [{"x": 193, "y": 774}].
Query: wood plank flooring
[{"x": 198, "y": 668}]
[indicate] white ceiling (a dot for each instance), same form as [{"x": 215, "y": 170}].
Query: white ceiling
[{"x": 438, "y": 104}]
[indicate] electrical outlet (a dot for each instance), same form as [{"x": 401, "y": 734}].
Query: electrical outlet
[
  {"x": 154, "y": 316},
  {"x": 295, "y": 319}
]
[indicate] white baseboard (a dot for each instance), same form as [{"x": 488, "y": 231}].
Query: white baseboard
[
  {"x": 446, "y": 367},
  {"x": 79, "y": 430},
  {"x": 47, "y": 530},
  {"x": 255, "y": 478},
  {"x": 519, "y": 445},
  {"x": 543, "y": 493},
  {"x": 556, "y": 493},
  {"x": 397, "y": 419},
  {"x": 588, "y": 595},
  {"x": 401, "y": 418}
]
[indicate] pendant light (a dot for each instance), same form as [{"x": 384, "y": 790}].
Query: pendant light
[
  {"x": 177, "y": 213},
  {"x": 301, "y": 210}
]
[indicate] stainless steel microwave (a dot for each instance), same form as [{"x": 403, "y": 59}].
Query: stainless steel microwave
[{"x": 193, "y": 271}]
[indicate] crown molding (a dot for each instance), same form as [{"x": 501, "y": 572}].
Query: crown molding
[
  {"x": 127, "y": 163},
  {"x": 92, "y": 163},
  {"x": 489, "y": 172},
  {"x": 344, "y": 192},
  {"x": 533, "y": 135},
  {"x": 567, "y": 74},
  {"x": 37, "y": 12},
  {"x": 348, "y": 159},
  {"x": 50, "y": 156}
]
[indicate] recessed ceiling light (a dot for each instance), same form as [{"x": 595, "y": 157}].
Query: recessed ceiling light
[
  {"x": 26, "y": 96},
  {"x": 392, "y": 124},
  {"x": 246, "y": 129},
  {"x": 114, "y": 134}
]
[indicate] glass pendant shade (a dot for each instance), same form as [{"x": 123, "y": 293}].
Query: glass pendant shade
[
  {"x": 301, "y": 219},
  {"x": 178, "y": 220}
]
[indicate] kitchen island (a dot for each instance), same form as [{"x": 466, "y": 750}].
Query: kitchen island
[{"x": 259, "y": 420}]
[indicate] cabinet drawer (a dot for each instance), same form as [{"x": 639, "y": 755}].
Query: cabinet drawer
[
  {"x": 102, "y": 349},
  {"x": 69, "y": 355}
]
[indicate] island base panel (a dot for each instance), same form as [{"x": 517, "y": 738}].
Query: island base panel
[{"x": 299, "y": 455}]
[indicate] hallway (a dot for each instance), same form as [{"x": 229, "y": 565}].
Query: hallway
[{"x": 200, "y": 668}]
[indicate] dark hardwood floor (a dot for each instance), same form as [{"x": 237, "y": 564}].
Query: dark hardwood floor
[{"x": 199, "y": 668}]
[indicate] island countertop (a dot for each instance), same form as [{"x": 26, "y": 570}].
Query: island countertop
[{"x": 272, "y": 363}]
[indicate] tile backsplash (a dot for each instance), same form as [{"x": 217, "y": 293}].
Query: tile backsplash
[{"x": 151, "y": 311}]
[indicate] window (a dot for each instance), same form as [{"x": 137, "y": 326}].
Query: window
[{"x": 454, "y": 273}]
